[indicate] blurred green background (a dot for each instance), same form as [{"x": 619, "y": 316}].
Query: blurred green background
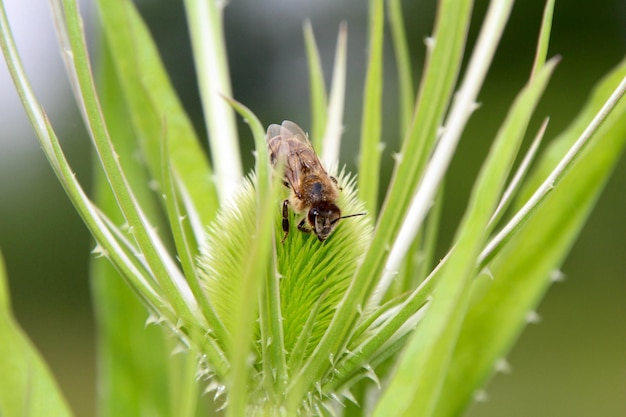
[{"x": 573, "y": 363}]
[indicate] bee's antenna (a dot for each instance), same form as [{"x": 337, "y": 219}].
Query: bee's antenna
[
  {"x": 349, "y": 215},
  {"x": 353, "y": 215}
]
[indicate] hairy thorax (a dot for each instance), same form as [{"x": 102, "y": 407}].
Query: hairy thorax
[{"x": 313, "y": 191}]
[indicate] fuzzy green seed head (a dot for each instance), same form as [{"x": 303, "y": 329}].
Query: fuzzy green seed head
[{"x": 312, "y": 275}]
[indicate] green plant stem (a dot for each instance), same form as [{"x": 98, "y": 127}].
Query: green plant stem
[
  {"x": 462, "y": 108},
  {"x": 209, "y": 51},
  {"x": 516, "y": 181},
  {"x": 317, "y": 88},
  {"x": 334, "y": 125},
  {"x": 430, "y": 347},
  {"x": 453, "y": 19},
  {"x": 403, "y": 62},
  {"x": 554, "y": 178},
  {"x": 371, "y": 122},
  {"x": 161, "y": 265}
]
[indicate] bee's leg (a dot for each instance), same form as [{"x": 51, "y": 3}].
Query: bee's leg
[
  {"x": 285, "y": 220},
  {"x": 333, "y": 179},
  {"x": 286, "y": 184},
  {"x": 302, "y": 226}
]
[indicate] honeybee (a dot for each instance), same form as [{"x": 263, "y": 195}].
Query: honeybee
[{"x": 313, "y": 191}]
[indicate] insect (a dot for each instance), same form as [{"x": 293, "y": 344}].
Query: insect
[{"x": 313, "y": 191}]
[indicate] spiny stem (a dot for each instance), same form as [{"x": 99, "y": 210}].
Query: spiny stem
[
  {"x": 463, "y": 107},
  {"x": 555, "y": 176}
]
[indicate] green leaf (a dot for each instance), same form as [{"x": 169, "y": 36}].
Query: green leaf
[
  {"x": 329, "y": 152},
  {"x": 157, "y": 259},
  {"x": 371, "y": 117},
  {"x": 521, "y": 272},
  {"x": 153, "y": 106},
  {"x": 440, "y": 76},
  {"x": 132, "y": 358},
  {"x": 206, "y": 28},
  {"x": 27, "y": 387},
  {"x": 416, "y": 384},
  {"x": 110, "y": 239},
  {"x": 317, "y": 87},
  {"x": 159, "y": 117},
  {"x": 544, "y": 36},
  {"x": 406, "y": 94}
]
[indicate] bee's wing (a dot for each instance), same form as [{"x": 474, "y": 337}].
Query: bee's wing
[
  {"x": 289, "y": 141},
  {"x": 301, "y": 159},
  {"x": 290, "y": 129}
]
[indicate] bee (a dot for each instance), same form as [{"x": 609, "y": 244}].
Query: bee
[{"x": 313, "y": 191}]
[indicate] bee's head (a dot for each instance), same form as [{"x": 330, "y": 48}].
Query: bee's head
[{"x": 323, "y": 218}]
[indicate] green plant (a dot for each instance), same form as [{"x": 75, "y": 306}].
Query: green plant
[{"x": 273, "y": 329}]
